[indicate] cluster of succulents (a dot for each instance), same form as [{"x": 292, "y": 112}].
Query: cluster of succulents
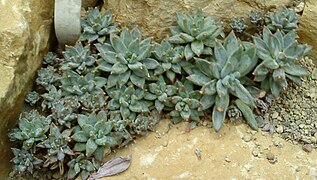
[{"x": 114, "y": 86}]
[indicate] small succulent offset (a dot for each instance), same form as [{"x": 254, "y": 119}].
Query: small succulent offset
[
  {"x": 283, "y": 19},
  {"x": 64, "y": 112},
  {"x": 256, "y": 18},
  {"x": 80, "y": 165},
  {"x": 280, "y": 54},
  {"x": 144, "y": 122},
  {"x": 78, "y": 58},
  {"x": 128, "y": 100},
  {"x": 25, "y": 161},
  {"x": 32, "y": 128},
  {"x": 160, "y": 93},
  {"x": 93, "y": 101},
  {"x": 75, "y": 84},
  {"x": 47, "y": 77},
  {"x": 51, "y": 59},
  {"x": 52, "y": 96},
  {"x": 223, "y": 75},
  {"x": 127, "y": 58},
  {"x": 57, "y": 147},
  {"x": 186, "y": 103},
  {"x": 170, "y": 58},
  {"x": 94, "y": 134},
  {"x": 32, "y": 98},
  {"x": 197, "y": 32},
  {"x": 238, "y": 25},
  {"x": 97, "y": 26}
]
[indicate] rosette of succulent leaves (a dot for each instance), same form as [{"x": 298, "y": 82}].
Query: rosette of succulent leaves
[
  {"x": 81, "y": 165},
  {"x": 280, "y": 54},
  {"x": 223, "y": 75},
  {"x": 32, "y": 129},
  {"x": 94, "y": 134},
  {"x": 185, "y": 104},
  {"x": 126, "y": 58},
  {"x": 170, "y": 58},
  {"x": 97, "y": 26},
  {"x": 197, "y": 33},
  {"x": 25, "y": 161},
  {"x": 57, "y": 146},
  {"x": 284, "y": 19}
]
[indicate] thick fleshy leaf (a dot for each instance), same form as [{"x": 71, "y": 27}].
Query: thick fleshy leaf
[
  {"x": 221, "y": 55},
  {"x": 275, "y": 88},
  {"x": 189, "y": 54},
  {"x": 138, "y": 81},
  {"x": 119, "y": 68},
  {"x": 210, "y": 69},
  {"x": 243, "y": 94},
  {"x": 271, "y": 64},
  {"x": 134, "y": 46},
  {"x": 199, "y": 79},
  {"x": 206, "y": 102},
  {"x": 221, "y": 89},
  {"x": 197, "y": 47},
  {"x": 209, "y": 88},
  {"x": 296, "y": 70},
  {"x": 139, "y": 107},
  {"x": 123, "y": 78},
  {"x": 159, "y": 106},
  {"x": 219, "y": 111},
  {"x": 112, "y": 80},
  {"x": 117, "y": 44},
  {"x": 247, "y": 113},
  {"x": 91, "y": 147},
  {"x": 80, "y": 147},
  {"x": 278, "y": 74},
  {"x": 188, "y": 38},
  {"x": 171, "y": 76},
  {"x": 176, "y": 39},
  {"x": 296, "y": 79},
  {"x": 151, "y": 63},
  {"x": 80, "y": 136}
]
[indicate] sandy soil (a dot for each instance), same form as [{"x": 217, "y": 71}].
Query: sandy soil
[{"x": 234, "y": 153}]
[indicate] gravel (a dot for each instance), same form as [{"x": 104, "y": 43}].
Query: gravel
[{"x": 294, "y": 114}]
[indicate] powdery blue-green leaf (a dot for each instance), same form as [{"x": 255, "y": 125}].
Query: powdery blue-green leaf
[
  {"x": 189, "y": 54},
  {"x": 199, "y": 79},
  {"x": 209, "y": 88},
  {"x": 112, "y": 80},
  {"x": 220, "y": 53},
  {"x": 210, "y": 69},
  {"x": 80, "y": 136},
  {"x": 296, "y": 70},
  {"x": 91, "y": 147},
  {"x": 247, "y": 114},
  {"x": 119, "y": 68},
  {"x": 151, "y": 63},
  {"x": 117, "y": 44},
  {"x": 158, "y": 105},
  {"x": 219, "y": 111},
  {"x": 197, "y": 47},
  {"x": 136, "y": 80},
  {"x": 80, "y": 147},
  {"x": 221, "y": 89},
  {"x": 207, "y": 101}
]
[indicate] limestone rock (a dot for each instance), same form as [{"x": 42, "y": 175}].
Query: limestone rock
[
  {"x": 308, "y": 27},
  {"x": 25, "y": 28},
  {"x": 154, "y": 17}
]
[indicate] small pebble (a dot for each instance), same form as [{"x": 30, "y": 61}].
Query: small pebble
[
  {"x": 165, "y": 143},
  {"x": 247, "y": 138},
  {"x": 227, "y": 159},
  {"x": 271, "y": 158},
  {"x": 307, "y": 147},
  {"x": 274, "y": 115}
]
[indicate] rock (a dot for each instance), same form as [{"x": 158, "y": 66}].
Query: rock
[
  {"x": 154, "y": 17},
  {"x": 307, "y": 147},
  {"x": 247, "y": 138},
  {"x": 25, "y": 28},
  {"x": 308, "y": 26},
  {"x": 271, "y": 158},
  {"x": 314, "y": 73},
  {"x": 275, "y": 115},
  {"x": 279, "y": 129}
]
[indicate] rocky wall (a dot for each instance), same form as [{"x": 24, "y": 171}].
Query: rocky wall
[{"x": 25, "y": 28}]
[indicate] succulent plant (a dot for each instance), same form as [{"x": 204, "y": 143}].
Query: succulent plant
[
  {"x": 257, "y": 18},
  {"x": 284, "y": 19},
  {"x": 160, "y": 92},
  {"x": 47, "y": 76},
  {"x": 32, "y": 98},
  {"x": 238, "y": 25},
  {"x": 24, "y": 160},
  {"x": 32, "y": 128},
  {"x": 50, "y": 97},
  {"x": 97, "y": 26},
  {"x": 170, "y": 58},
  {"x": 51, "y": 59},
  {"x": 126, "y": 58},
  {"x": 223, "y": 75},
  {"x": 186, "y": 103},
  {"x": 64, "y": 111},
  {"x": 78, "y": 58},
  {"x": 80, "y": 165},
  {"x": 75, "y": 84},
  {"x": 128, "y": 100},
  {"x": 93, "y": 101},
  {"x": 57, "y": 146},
  {"x": 144, "y": 122},
  {"x": 234, "y": 113},
  {"x": 94, "y": 134},
  {"x": 280, "y": 54},
  {"x": 197, "y": 32}
]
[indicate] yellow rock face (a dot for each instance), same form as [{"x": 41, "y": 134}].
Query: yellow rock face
[
  {"x": 25, "y": 28},
  {"x": 154, "y": 17}
]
